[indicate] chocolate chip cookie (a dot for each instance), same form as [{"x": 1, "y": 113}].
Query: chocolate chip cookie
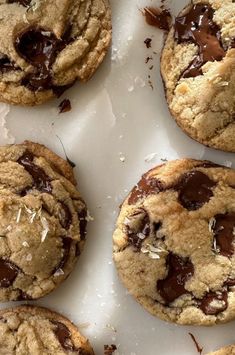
[
  {"x": 174, "y": 244},
  {"x": 229, "y": 350},
  {"x": 42, "y": 221},
  {"x": 47, "y": 45},
  {"x": 198, "y": 70},
  {"x": 35, "y": 331}
]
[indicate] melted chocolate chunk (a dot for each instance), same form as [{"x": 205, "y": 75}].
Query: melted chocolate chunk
[
  {"x": 64, "y": 336},
  {"x": 195, "y": 189},
  {"x": 109, "y": 349},
  {"x": 179, "y": 272},
  {"x": 146, "y": 186},
  {"x": 8, "y": 273},
  {"x": 148, "y": 42},
  {"x": 66, "y": 246},
  {"x": 138, "y": 227},
  {"x": 65, "y": 106},
  {"x": 213, "y": 303},
  {"x": 6, "y": 64},
  {"x": 160, "y": 18},
  {"x": 65, "y": 216},
  {"x": 229, "y": 282},
  {"x": 41, "y": 181},
  {"x": 23, "y": 296},
  {"x": 224, "y": 233},
  {"x": 197, "y": 26},
  {"x": 82, "y": 216},
  {"x": 21, "y": 2}
]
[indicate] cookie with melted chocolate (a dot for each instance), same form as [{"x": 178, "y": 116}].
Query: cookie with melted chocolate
[
  {"x": 46, "y": 46},
  {"x": 42, "y": 221},
  {"x": 35, "y": 330},
  {"x": 198, "y": 70},
  {"x": 174, "y": 243}
]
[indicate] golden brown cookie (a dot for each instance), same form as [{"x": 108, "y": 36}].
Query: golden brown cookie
[
  {"x": 42, "y": 221},
  {"x": 46, "y": 45},
  {"x": 36, "y": 331},
  {"x": 228, "y": 350},
  {"x": 174, "y": 243},
  {"x": 198, "y": 70}
]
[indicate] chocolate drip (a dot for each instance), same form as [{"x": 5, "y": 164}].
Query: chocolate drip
[
  {"x": 64, "y": 336},
  {"x": 214, "y": 303},
  {"x": 195, "y": 189},
  {"x": 8, "y": 273},
  {"x": 160, "y": 18},
  {"x": 137, "y": 227},
  {"x": 179, "y": 272},
  {"x": 197, "y": 26},
  {"x": 41, "y": 181},
  {"x": 224, "y": 233},
  {"x": 146, "y": 186}
]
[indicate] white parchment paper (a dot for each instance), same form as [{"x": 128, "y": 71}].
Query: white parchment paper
[{"x": 118, "y": 129}]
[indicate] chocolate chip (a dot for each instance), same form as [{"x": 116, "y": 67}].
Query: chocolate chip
[
  {"x": 71, "y": 163},
  {"x": 214, "y": 303},
  {"x": 146, "y": 186},
  {"x": 21, "y": 2},
  {"x": 148, "y": 42},
  {"x": 23, "y": 296},
  {"x": 77, "y": 250},
  {"x": 197, "y": 26},
  {"x": 229, "y": 282},
  {"x": 160, "y": 18},
  {"x": 109, "y": 349},
  {"x": 82, "y": 216},
  {"x": 137, "y": 227},
  {"x": 179, "y": 272},
  {"x": 8, "y": 273},
  {"x": 224, "y": 235},
  {"x": 41, "y": 181},
  {"x": 65, "y": 106},
  {"x": 6, "y": 64},
  {"x": 66, "y": 247},
  {"x": 65, "y": 216},
  {"x": 64, "y": 336},
  {"x": 195, "y": 189}
]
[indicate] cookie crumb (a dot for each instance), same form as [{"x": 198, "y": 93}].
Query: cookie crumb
[
  {"x": 148, "y": 42},
  {"x": 109, "y": 349},
  {"x": 65, "y": 106},
  {"x": 158, "y": 17},
  {"x": 199, "y": 349}
]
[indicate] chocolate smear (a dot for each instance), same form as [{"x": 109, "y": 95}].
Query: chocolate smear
[
  {"x": 214, "y": 303},
  {"x": 65, "y": 106},
  {"x": 224, "y": 233},
  {"x": 146, "y": 186},
  {"x": 179, "y": 272},
  {"x": 196, "y": 26},
  {"x": 195, "y": 189},
  {"x": 41, "y": 181},
  {"x": 198, "y": 347},
  {"x": 157, "y": 17},
  {"x": 8, "y": 273}
]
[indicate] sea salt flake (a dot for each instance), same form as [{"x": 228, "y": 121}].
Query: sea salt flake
[
  {"x": 150, "y": 157},
  {"x": 29, "y": 257},
  {"x": 18, "y": 215},
  {"x": 59, "y": 272},
  {"x": 25, "y": 244},
  {"x": 46, "y": 229}
]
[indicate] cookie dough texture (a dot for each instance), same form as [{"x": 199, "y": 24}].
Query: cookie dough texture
[
  {"x": 47, "y": 45},
  {"x": 36, "y": 331},
  {"x": 174, "y": 242},
  {"x": 229, "y": 350},
  {"x": 42, "y": 221},
  {"x": 204, "y": 105}
]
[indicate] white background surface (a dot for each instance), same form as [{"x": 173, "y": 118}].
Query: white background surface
[{"x": 116, "y": 115}]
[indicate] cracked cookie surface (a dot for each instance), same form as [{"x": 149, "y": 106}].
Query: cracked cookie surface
[
  {"x": 35, "y": 330},
  {"x": 47, "y": 45},
  {"x": 198, "y": 70},
  {"x": 42, "y": 221},
  {"x": 174, "y": 242}
]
